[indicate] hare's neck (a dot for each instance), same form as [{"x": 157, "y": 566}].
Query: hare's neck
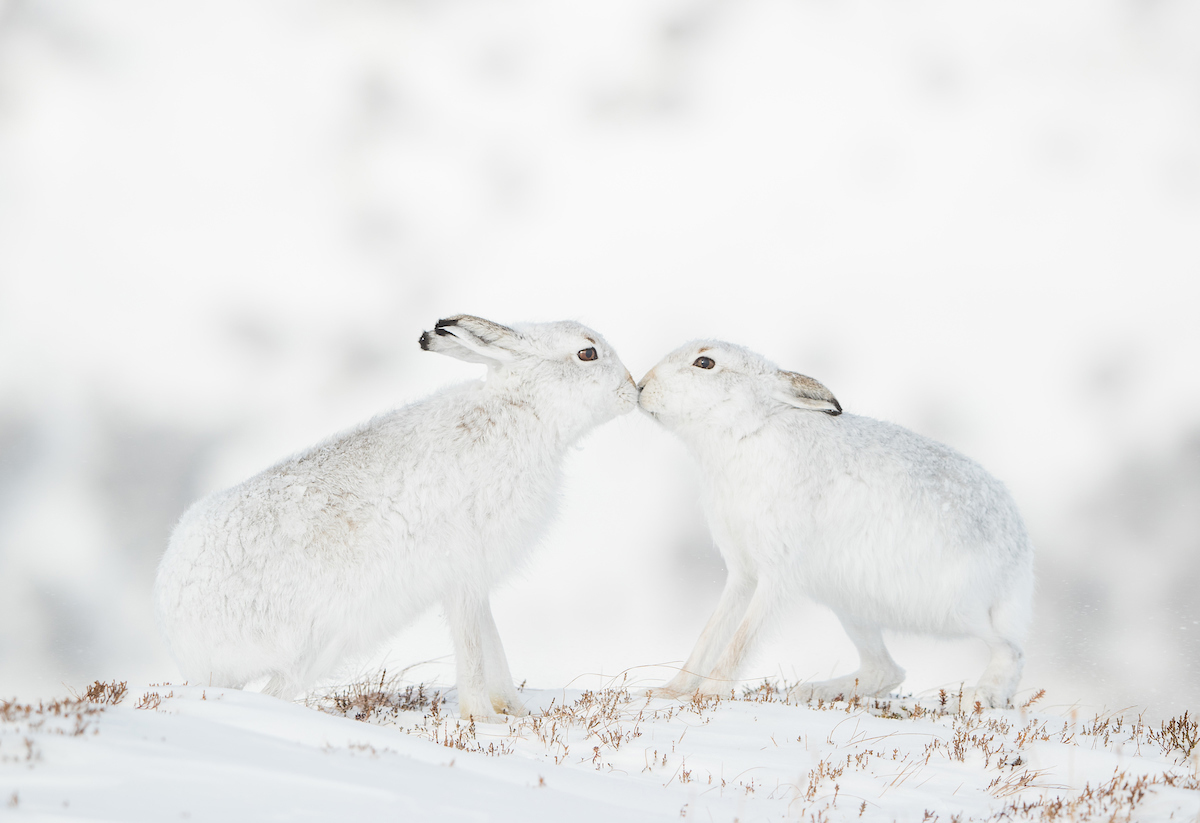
[
  {"x": 553, "y": 426},
  {"x": 543, "y": 432},
  {"x": 716, "y": 444},
  {"x": 712, "y": 450}
]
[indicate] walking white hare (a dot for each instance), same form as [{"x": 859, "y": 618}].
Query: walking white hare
[
  {"x": 887, "y": 528},
  {"x": 326, "y": 554}
]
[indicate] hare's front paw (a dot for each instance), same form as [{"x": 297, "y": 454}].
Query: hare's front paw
[
  {"x": 507, "y": 704},
  {"x": 485, "y": 717},
  {"x": 478, "y": 710},
  {"x": 680, "y": 687},
  {"x": 840, "y": 688}
]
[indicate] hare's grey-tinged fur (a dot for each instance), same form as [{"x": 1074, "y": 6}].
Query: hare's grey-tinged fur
[
  {"x": 324, "y": 555},
  {"x": 887, "y": 528}
]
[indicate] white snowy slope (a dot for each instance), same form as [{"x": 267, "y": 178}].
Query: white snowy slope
[{"x": 190, "y": 753}]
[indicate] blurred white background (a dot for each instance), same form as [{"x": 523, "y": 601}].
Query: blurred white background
[{"x": 223, "y": 226}]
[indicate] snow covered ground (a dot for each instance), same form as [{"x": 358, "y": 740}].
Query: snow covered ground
[{"x": 389, "y": 751}]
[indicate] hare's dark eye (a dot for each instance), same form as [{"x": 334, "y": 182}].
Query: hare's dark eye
[
  {"x": 588, "y": 354},
  {"x": 704, "y": 363}
]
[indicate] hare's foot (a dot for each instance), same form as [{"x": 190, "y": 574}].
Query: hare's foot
[
  {"x": 999, "y": 680},
  {"x": 861, "y": 684},
  {"x": 508, "y": 704},
  {"x": 477, "y": 708},
  {"x": 680, "y": 687}
]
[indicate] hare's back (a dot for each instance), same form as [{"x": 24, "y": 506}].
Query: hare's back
[{"x": 854, "y": 491}]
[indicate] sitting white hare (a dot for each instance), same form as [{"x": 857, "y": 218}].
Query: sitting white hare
[
  {"x": 326, "y": 554},
  {"x": 887, "y": 528}
]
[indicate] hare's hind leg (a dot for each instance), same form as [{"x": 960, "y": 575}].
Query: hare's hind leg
[
  {"x": 1003, "y": 627},
  {"x": 731, "y": 608},
  {"x": 314, "y": 659},
  {"x": 877, "y": 672},
  {"x": 282, "y": 687},
  {"x": 999, "y": 680},
  {"x": 1007, "y": 622},
  {"x": 292, "y": 682}
]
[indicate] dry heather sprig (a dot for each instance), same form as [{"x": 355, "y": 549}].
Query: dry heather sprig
[
  {"x": 1179, "y": 734},
  {"x": 827, "y": 771},
  {"x": 109, "y": 693},
  {"x": 1038, "y": 695},
  {"x": 385, "y": 699},
  {"x": 152, "y": 700},
  {"x": 379, "y": 700}
]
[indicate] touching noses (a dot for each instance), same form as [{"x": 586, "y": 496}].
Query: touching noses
[{"x": 649, "y": 376}]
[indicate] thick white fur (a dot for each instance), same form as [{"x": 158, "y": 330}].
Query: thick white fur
[
  {"x": 887, "y": 528},
  {"x": 326, "y": 554}
]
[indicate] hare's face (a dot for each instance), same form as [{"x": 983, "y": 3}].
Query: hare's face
[
  {"x": 706, "y": 383},
  {"x": 574, "y": 370},
  {"x": 567, "y": 370},
  {"x": 710, "y": 385}
]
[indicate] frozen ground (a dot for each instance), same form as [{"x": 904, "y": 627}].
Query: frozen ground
[{"x": 389, "y": 751}]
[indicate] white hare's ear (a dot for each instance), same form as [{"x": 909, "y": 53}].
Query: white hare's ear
[
  {"x": 472, "y": 339},
  {"x": 804, "y": 393}
]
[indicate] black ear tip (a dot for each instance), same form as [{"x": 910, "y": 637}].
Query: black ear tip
[
  {"x": 424, "y": 341},
  {"x": 833, "y": 413},
  {"x": 444, "y": 322}
]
